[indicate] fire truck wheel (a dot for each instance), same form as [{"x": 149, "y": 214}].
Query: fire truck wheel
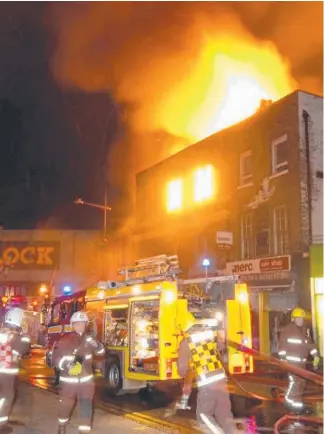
[{"x": 113, "y": 375}]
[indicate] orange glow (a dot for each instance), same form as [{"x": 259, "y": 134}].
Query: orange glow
[
  {"x": 211, "y": 76},
  {"x": 43, "y": 289},
  {"x": 227, "y": 84},
  {"x": 241, "y": 293},
  {"x": 204, "y": 183},
  {"x": 174, "y": 195}
]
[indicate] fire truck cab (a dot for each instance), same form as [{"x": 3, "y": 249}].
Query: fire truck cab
[
  {"x": 58, "y": 318},
  {"x": 140, "y": 320}
]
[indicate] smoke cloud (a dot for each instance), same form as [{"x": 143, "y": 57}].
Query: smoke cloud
[{"x": 142, "y": 53}]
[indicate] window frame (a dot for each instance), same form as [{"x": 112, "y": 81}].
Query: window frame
[
  {"x": 200, "y": 176},
  {"x": 278, "y": 167},
  {"x": 168, "y": 191},
  {"x": 245, "y": 179},
  {"x": 263, "y": 254},
  {"x": 280, "y": 238},
  {"x": 244, "y": 238}
]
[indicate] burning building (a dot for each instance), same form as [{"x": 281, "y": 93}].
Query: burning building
[{"x": 249, "y": 198}]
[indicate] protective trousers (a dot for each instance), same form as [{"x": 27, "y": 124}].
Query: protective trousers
[
  {"x": 7, "y": 394},
  {"x": 294, "y": 395},
  {"x": 213, "y": 402},
  {"x": 83, "y": 393}
]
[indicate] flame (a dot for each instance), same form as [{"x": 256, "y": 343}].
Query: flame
[
  {"x": 229, "y": 81},
  {"x": 199, "y": 71}
]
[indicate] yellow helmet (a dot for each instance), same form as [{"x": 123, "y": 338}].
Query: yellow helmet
[{"x": 298, "y": 312}]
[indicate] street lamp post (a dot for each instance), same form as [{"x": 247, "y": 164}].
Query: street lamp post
[
  {"x": 206, "y": 264},
  {"x": 104, "y": 207}
]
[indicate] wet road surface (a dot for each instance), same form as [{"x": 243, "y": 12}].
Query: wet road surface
[{"x": 252, "y": 415}]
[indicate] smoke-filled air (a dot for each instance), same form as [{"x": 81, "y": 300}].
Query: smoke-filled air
[{"x": 189, "y": 69}]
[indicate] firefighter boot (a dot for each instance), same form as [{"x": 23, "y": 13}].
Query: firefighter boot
[{"x": 61, "y": 429}]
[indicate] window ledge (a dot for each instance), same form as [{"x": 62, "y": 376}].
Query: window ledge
[
  {"x": 276, "y": 175},
  {"x": 250, "y": 184}
]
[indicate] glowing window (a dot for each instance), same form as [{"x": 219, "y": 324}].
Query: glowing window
[
  {"x": 174, "y": 195},
  {"x": 203, "y": 183}
]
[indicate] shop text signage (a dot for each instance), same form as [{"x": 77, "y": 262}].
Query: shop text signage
[
  {"x": 37, "y": 255},
  {"x": 224, "y": 239},
  {"x": 256, "y": 266}
]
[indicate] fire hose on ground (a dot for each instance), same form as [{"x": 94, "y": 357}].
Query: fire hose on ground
[
  {"x": 284, "y": 367},
  {"x": 289, "y": 418}
]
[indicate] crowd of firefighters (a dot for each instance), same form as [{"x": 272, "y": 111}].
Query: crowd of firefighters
[{"x": 198, "y": 360}]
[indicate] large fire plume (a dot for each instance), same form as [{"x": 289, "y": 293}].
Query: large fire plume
[
  {"x": 183, "y": 70},
  {"x": 191, "y": 84}
]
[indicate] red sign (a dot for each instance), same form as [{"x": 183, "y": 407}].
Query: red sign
[{"x": 279, "y": 263}]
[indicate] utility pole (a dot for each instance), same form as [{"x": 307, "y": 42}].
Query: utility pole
[
  {"x": 105, "y": 213},
  {"x": 308, "y": 176}
]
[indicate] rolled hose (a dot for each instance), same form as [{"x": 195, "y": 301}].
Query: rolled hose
[
  {"x": 289, "y": 418},
  {"x": 317, "y": 379},
  {"x": 232, "y": 377},
  {"x": 283, "y": 366}
]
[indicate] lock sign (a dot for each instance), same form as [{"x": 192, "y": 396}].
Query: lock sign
[{"x": 38, "y": 255}]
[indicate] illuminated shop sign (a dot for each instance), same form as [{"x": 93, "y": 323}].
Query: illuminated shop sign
[{"x": 36, "y": 255}]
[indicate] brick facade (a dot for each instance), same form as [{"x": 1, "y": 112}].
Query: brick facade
[{"x": 279, "y": 225}]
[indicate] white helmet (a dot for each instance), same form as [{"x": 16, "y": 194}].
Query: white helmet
[
  {"x": 79, "y": 317},
  {"x": 14, "y": 317}
]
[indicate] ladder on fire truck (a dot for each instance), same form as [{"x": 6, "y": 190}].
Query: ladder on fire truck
[
  {"x": 163, "y": 267},
  {"x": 154, "y": 268},
  {"x": 158, "y": 268}
]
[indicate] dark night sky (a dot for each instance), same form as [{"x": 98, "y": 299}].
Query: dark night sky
[{"x": 54, "y": 140}]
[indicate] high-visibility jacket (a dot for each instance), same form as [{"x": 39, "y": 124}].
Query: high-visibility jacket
[
  {"x": 198, "y": 351},
  {"x": 295, "y": 344},
  {"x": 73, "y": 357},
  {"x": 13, "y": 345}
]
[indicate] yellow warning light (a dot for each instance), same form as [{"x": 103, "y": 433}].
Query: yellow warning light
[
  {"x": 169, "y": 297},
  {"x": 241, "y": 293},
  {"x": 43, "y": 289}
]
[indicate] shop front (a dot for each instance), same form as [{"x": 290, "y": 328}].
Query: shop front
[
  {"x": 273, "y": 293},
  {"x": 317, "y": 293}
]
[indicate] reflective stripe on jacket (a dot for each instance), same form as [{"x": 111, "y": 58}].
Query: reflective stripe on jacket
[
  {"x": 295, "y": 345},
  {"x": 13, "y": 345},
  {"x": 74, "y": 346},
  {"x": 198, "y": 349}
]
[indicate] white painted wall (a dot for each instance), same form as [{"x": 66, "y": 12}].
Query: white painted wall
[{"x": 314, "y": 106}]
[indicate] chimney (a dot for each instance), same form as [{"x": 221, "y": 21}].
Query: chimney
[{"x": 265, "y": 103}]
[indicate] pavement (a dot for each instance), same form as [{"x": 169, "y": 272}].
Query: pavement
[{"x": 35, "y": 412}]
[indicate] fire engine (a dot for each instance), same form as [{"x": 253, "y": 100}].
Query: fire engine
[
  {"x": 140, "y": 320},
  {"x": 57, "y": 320}
]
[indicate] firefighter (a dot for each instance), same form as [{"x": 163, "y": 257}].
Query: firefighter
[
  {"x": 73, "y": 357},
  {"x": 13, "y": 345},
  {"x": 295, "y": 345},
  {"x": 198, "y": 353}
]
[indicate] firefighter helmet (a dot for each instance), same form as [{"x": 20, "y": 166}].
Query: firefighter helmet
[
  {"x": 79, "y": 317},
  {"x": 298, "y": 312},
  {"x": 14, "y": 317}
]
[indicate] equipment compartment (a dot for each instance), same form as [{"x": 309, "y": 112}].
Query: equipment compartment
[{"x": 144, "y": 337}]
